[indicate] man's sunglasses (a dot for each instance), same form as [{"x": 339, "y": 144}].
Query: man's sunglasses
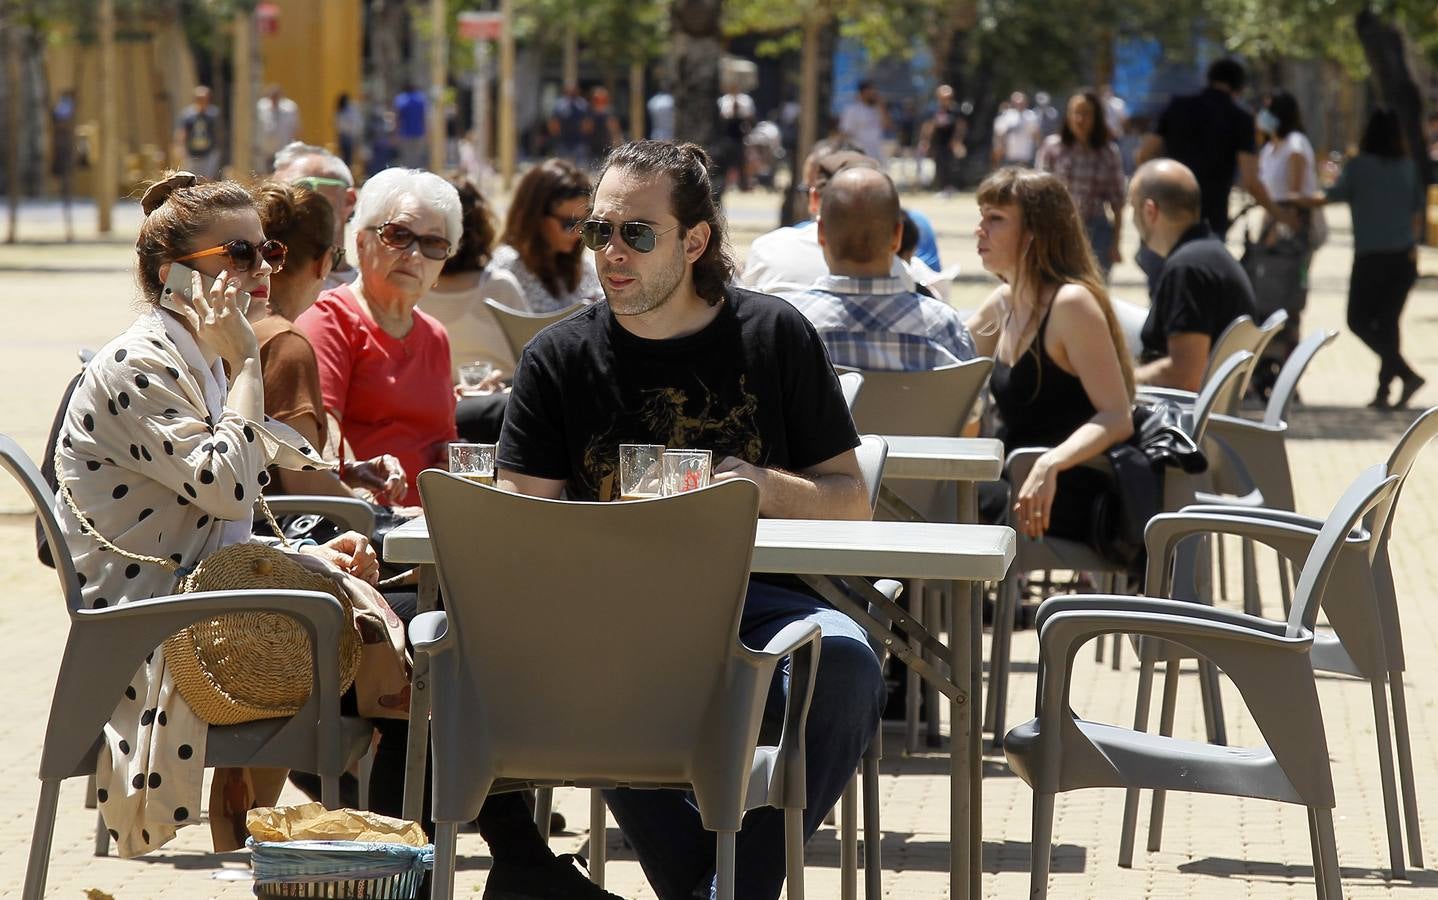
[
  {"x": 640, "y": 236},
  {"x": 398, "y": 237},
  {"x": 243, "y": 254}
]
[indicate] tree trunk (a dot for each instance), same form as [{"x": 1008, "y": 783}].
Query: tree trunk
[
  {"x": 1384, "y": 50},
  {"x": 14, "y": 98},
  {"x": 637, "y": 109},
  {"x": 386, "y": 26},
  {"x": 697, "y": 49}
]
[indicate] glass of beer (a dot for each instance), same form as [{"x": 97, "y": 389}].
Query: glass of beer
[
  {"x": 641, "y": 471},
  {"x": 685, "y": 470},
  {"x": 473, "y": 461}
]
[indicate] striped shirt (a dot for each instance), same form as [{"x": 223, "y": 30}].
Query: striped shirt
[{"x": 878, "y": 325}]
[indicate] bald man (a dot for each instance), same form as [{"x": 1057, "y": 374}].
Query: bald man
[
  {"x": 1201, "y": 287},
  {"x": 319, "y": 170},
  {"x": 867, "y": 317}
]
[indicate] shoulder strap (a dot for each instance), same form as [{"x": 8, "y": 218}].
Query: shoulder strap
[{"x": 168, "y": 565}]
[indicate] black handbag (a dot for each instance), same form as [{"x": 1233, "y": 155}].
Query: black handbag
[{"x": 315, "y": 527}]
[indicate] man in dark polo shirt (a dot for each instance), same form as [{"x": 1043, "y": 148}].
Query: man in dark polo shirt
[{"x": 1201, "y": 287}]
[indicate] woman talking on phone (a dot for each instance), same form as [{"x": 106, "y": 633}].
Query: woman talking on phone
[{"x": 163, "y": 451}]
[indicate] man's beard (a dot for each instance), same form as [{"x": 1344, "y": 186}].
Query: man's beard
[{"x": 650, "y": 293}]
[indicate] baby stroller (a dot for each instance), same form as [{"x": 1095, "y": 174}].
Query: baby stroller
[{"x": 1277, "y": 265}]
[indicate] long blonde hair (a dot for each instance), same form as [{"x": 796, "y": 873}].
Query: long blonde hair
[{"x": 1059, "y": 252}]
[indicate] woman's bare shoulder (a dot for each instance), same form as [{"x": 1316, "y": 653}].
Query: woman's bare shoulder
[{"x": 1075, "y": 300}]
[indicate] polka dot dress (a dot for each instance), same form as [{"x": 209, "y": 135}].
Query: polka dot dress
[{"x": 161, "y": 468}]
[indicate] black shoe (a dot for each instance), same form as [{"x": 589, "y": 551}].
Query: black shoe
[
  {"x": 557, "y": 878},
  {"x": 1411, "y": 386}
]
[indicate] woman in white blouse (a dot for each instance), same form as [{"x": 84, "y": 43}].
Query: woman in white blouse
[
  {"x": 1287, "y": 168},
  {"x": 163, "y": 450},
  {"x": 540, "y": 266}
]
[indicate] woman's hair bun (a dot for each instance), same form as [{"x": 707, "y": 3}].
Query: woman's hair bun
[{"x": 160, "y": 191}]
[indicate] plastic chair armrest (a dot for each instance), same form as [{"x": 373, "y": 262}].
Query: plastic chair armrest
[
  {"x": 1176, "y": 394},
  {"x": 1065, "y": 631},
  {"x": 1166, "y": 530},
  {"x": 890, "y": 588},
  {"x": 114, "y": 634},
  {"x": 349, "y": 513},
  {"x": 1128, "y": 603},
  {"x": 1021, "y": 460},
  {"x": 801, "y": 641},
  {"x": 1227, "y": 426},
  {"x": 429, "y": 633},
  {"x": 1264, "y": 514}
]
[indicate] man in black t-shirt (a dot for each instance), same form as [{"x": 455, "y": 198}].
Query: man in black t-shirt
[
  {"x": 678, "y": 356},
  {"x": 1201, "y": 288}
]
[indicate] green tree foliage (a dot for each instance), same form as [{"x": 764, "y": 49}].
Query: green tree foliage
[
  {"x": 614, "y": 33},
  {"x": 1321, "y": 29}
]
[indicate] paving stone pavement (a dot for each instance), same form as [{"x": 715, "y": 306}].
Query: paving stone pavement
[{"x": 57, "y": 298}]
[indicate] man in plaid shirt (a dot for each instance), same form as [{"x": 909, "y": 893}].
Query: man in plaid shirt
[{"x": 867, "y": 318}]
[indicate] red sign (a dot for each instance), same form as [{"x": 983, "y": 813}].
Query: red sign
[
  {"x": 480, "y": 26},
  {"x": 267, "y": 18}
]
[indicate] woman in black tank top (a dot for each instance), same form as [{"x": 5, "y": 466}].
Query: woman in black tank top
[{"x": 1062, "y": 378}]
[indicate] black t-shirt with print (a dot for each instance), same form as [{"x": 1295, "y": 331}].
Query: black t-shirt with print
[
  {"x": 755, "y": 384},
  {"x": 1201, "y": 289}
]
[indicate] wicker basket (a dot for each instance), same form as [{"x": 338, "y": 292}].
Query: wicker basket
[
  {"x": 349, "y": 870},
  {"x": 247, "y": 666}
]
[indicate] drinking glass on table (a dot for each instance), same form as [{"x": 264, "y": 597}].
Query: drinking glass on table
[
  {"x": 641, "y": 471},
  {"x": 474, "y": 375},
  {"x": 473, "y": 461},
  {"x": 685, "y": 470}
]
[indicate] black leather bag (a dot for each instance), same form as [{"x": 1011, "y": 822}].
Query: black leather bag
[
  {"x": 1120, "y": 516},
  {"x": 317, "y": 528}
]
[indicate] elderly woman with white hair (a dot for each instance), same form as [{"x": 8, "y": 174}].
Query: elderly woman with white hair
[{"x": 384, "y": 364}]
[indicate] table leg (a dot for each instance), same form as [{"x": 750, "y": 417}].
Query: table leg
[
  {"x": 965, "y": 752},
  {"x": 416, "y": 762},
  {"x": 933, "y": 605},
  {"x": 913, "y": 685}
]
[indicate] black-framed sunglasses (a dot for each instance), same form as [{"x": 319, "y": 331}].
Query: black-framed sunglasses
[
  {"x": 243, "y": 254},
  {"x": 640, "y": 236},
  {"x": 398, "y": 237}
]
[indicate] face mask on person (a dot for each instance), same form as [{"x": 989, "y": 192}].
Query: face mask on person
[{"x": 1267, "y": 121}]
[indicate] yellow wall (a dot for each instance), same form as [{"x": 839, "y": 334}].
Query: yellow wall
[
  {"x": 158, "y": 75},
  {"x": 316, "y": 55}
]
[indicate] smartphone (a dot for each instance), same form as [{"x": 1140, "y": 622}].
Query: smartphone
[{"x": 178, "y": 293}]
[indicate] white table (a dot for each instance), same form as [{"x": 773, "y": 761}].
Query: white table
[
  {"x": 913, "y": 458},
  {"x": 834, "y": 558}
]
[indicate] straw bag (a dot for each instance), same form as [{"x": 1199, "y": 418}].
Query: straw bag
[{"x": 243, "y": 666}]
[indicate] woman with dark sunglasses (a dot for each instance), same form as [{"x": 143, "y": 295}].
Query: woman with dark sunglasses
[
  {"x": 540, "y": 265},
  {"x": 384, "y": 363},
  {"x": 161, "y": 453}
]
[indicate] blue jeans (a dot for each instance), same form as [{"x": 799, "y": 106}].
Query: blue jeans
[
  {"x": 676, "y": 852},
  {"x": 1100, "y": 238}
]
